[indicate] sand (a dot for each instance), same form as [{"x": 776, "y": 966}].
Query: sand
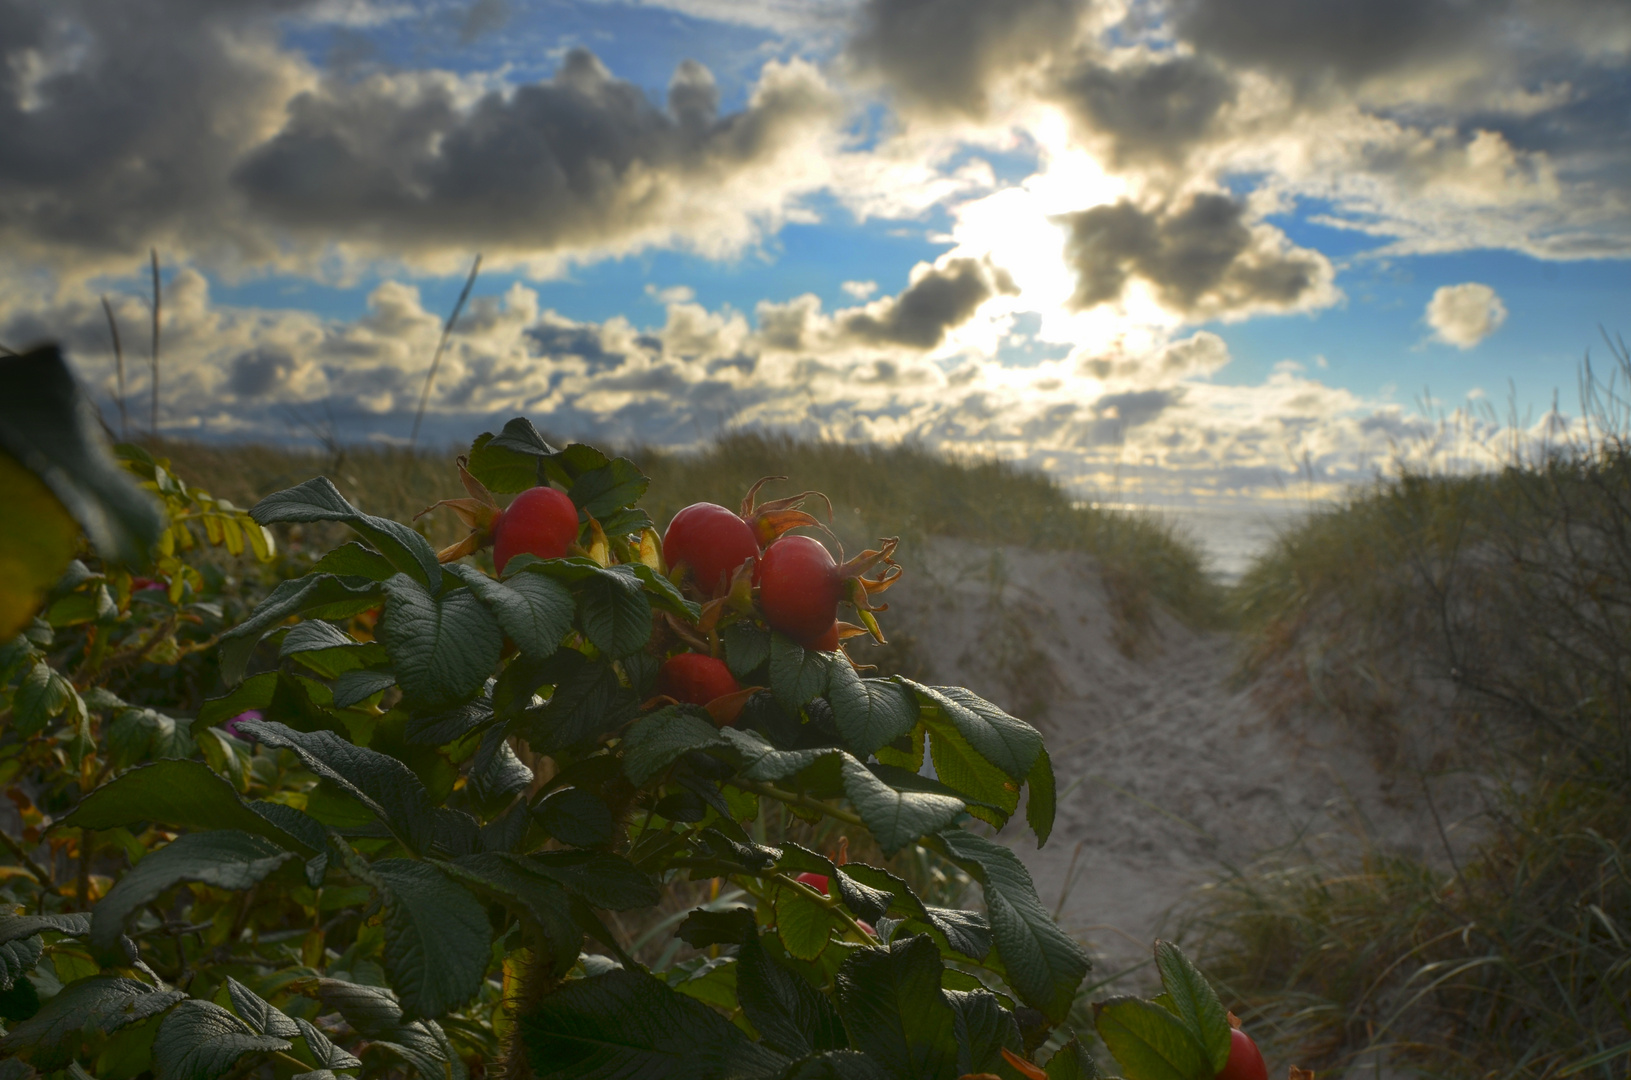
[{"x": 1169, "y": 770}]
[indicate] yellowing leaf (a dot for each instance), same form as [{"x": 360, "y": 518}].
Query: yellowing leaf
[{"x": 35, "y": 546}]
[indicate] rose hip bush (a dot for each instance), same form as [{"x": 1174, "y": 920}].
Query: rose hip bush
[{"x": 394, "y": 845}]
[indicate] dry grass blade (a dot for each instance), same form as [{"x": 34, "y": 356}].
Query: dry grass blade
[
  {"x": 158, "y": 299},
  {"x": 119, "y": 367},
  {"x": 436, "y": 361}
]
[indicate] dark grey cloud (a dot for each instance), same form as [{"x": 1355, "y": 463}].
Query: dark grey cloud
[
  {"x": 260, "y": 371},
  {"x": 191, "y": 125},
  {"x": 577, "y": 160},
  {"x": 1201, "y": 258},
  {"x": 575, "y": 339},
  {"x": 1150, "y": 111},
  {"x": 944, "y": 297},
  {"x": 941, "y": 56}
]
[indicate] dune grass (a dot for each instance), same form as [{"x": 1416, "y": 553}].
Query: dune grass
[
  {"x": 875, "y": 491},
  {"x": 1479, "y": 624}
]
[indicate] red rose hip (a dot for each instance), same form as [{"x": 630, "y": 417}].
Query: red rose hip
[
  {"x": 1245, "y": 1060},
  {"x": 695, "y": 679},
  {"x": 818, "y": 882},
  {"x": 799, "y": 588},
  {"x": 541, "y": 521},
  {"x": 711, "y": 542}
]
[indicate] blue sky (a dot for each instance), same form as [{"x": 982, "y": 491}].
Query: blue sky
[{"x": 1184, "y": 248}]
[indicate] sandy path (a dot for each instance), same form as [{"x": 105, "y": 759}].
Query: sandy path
[{"x": 1167, "y": 774}]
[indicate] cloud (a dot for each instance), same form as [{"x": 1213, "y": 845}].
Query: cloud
[
  {"x": 1463, "y": 315},
  {"x": 1146, "y": 110},
  {"x": 942, "y": 57},
  {"x": 860, "y": 289},
  {"x": 1200, "y": 257},
  {"x": 938, "y": 299},
  {"x": 193, "y": 127}
]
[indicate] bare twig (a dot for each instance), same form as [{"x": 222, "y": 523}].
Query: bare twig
[
  {"x": 436, "y": 361},
  {"x": 157, "y": 302},
  {"x": 119, "y": 367}
]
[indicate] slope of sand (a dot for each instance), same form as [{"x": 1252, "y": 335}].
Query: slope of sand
[{"x": 1167, "y": 772}]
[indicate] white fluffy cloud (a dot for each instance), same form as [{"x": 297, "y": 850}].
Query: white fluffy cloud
[{"x": 1463, "y": 315}]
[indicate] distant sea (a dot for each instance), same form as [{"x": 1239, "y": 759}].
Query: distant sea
[{"x": 1231, "y": 532}]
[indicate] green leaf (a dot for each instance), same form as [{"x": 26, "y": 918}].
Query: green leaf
[
  {"x": 509, "y": 462},
  {"x": 437, "y": 940},
  {"x": 616, "y": 484},
  {"x": 1007, "y": 742},
  {"x": 533, "y": 609},
  {"x": 894, "y": 1010},
  {"x": 870, "y": 713},
  {"x": 625, "y": 1024},
  {"x": 202, "y": 1041},
  {"x": 662, "y": 593},
  {"x": 1195, "y": 1002},
  {"x": 1043, "y": 964},
  {"x": 545, "y": 902},
  {"x": 797, "y": 674},
  {"x": 16, "y": 927},
  {"x": 181, "y": 794},
  {"x": 984, "y": 1027},
  {"x": 790, "y": 1015},
  {"x": 1040, "y": 800},
  {"x": 322, "y": 1048},
  {"x": 41, "y": 695},
  {"x": 50, "y": 428},
  {"x": 259, "y": 1013},
  {"x": 604, "y": 880},
  {"x": 577, "y": 817},
  {"x": 746, "y": 648},
  {"x": 614, "y": 611},
  {"x": 18, "y": 958},
  {"x": 655, "y": 742},
  {"x": 762, "y": 761},
  {"x": 801, "y": 922},
  {"x": 1072, "y": 1062},
  {"x": 355, "y": 687},
  {"x": 958, "y": 764},
  {"x": 227, "y": 859},
  {"x": 323, "y": 595},
  {"x": 895, "y": 818},
  {"x": 354, "y": 560},
  {"x": 319, "y": 500},
  {"x": 588, "y": 702},
  {"x": 100, "y": 1003},
  {"x": 443, "y": 648},
  {"x": 496, "y": 774},
  {"x": 1149, "y": 1042},
  {"x": 380, "y": 782}
]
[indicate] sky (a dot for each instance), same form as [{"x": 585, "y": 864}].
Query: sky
[{"x": 1187, "y": 253}]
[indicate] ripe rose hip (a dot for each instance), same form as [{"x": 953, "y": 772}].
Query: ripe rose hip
[
  {"x": 799, "y": 588},
  {"x": 712, "y": 542},
  {"x": 1245, "y": 1060},
  {"x": 827, "y": 642},
  {"x": 695, "y": 679},
  {"x": 818, "y": 882},
  {"x": 541, "y": 521}
]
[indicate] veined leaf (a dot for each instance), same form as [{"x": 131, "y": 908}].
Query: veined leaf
[
  {"x": 15, "y": 927},
  {"x": 746, "y": 648},
  {"x": 836, "y": 1065},
  {"x": 762, "y": 761},
  {"x": 1007, "y": 742},
  {"x": 625, "y": 1024},
  {"x": 179, "y": 793},
  {"x": 100, "y": 1003},
  {"x": 895, "y": 818},
  {"x": 604, "y": 880},
  {"x": 1149, "y": 1042},
  {"x": 801, "y": 923},
  {"x": 380, "y": 782},
  {"x": 958, "y": 764},
  {"x": 894, "y": 1010},
  {"x": 1043, "y": 964},
  {"x": 509, "y": 462},
  {"x": 533, "y": 609},
  {"x": 1195, "y": 1002},
  {"x": 323, "y": 595},
  {"x": 614, "y": 611},
  {"x": 319, "y": 500},
  {"x": 202, "y": 1041},
  {"x": 870, "y": 713},
  {"x": 587, "y": 703},
  {"x": 797, "y": 674},
  {"x": 984, "y": 1028},
  {"x": 600, "y": 491},
  {"x": 576, "y": 817},
  {"x": 355, "y": 560},
  {"x": 442, "y": 647},
  {"x": 531, "y": 895},
  {"x": 437, "y": 940},
  {"x": 259, "y": 1013},
  {"x": 227, "y": 859},
  {"x": 655, "y": 742},
  {"x": 354, "y": 687},
  {"x": 1040, "y": 804},
  {"x": 790, "y": 1015}
]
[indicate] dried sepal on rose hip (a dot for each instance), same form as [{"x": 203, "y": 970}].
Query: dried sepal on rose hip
[
  {"x": 539, "y": 521},
  {"x": 479, "y": 513},
  {"x": 771, "y": 520}
]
